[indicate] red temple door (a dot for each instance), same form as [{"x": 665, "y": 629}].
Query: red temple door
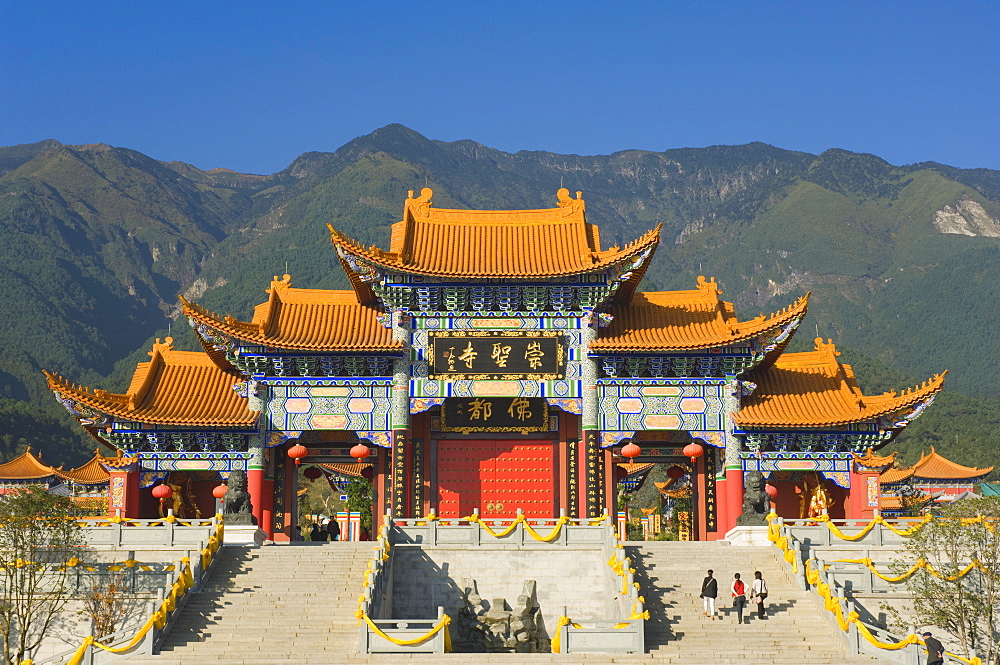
[{"x": 497, "y": 477}]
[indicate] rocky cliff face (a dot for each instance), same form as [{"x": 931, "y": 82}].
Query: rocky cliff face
[{"x": 968, "y": 218}]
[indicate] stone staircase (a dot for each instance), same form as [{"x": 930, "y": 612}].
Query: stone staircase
[
  {"x": 296, "y": 603},
  {"x": 795, "y": 629},
  {"x": 275, "y": 604}
]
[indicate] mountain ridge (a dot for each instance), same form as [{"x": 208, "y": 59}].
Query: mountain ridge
[{"x": 101, "y": 239}]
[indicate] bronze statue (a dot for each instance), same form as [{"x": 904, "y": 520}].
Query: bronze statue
[{"x": 756, "y": 502}]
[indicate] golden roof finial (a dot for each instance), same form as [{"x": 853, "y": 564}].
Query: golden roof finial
[
  {"x": 162, "y": 347},
  {"x": 827, "y": 346}
]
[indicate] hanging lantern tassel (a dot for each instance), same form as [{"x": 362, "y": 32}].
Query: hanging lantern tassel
[
  {"x": 297, "y": 452},
  {"x": 162, "y": 492},
  {"x": 631, "y": 451},
  {"x": 694, "y": 451}
]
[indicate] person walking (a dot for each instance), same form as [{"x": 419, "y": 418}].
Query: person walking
[
  {"x": 739, "y": 597},
  {"x": 709, "y": 592},
  {"x": 758, "y": 591},
  {"x": 314, "y": 533},
  {"x": 333, "y": 528},
  {"x": 935, "y": 650}
]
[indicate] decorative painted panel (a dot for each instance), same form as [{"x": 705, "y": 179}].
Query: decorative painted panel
[
  {"x": 836, "y": 467},
  {"x": 671, "y": 405},
  {"x": 343, "y": 407}
]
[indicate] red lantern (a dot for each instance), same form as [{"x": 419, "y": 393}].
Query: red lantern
[
  {"x": 694, "y": 451},
  {"x": 219, "y": 491},
  {"x": 368, "y": 472},
  {"x": 631, "y": 451},
  {"x": 675, "y": 472},
  {"x": 771, "y": 490},
  {"x": 360, "y": 451},
  {"x": 162, "y": 492},
  {"x": 297, "y": 452},
  {"x": 312, "y": 473}
]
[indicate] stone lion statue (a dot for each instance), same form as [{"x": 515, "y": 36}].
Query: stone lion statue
[
  {"x": 755, "y": 501},
  {"x": 237, "y": 508}
]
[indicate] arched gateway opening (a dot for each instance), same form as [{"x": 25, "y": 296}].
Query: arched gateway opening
[{"x": 496, "y": 361}]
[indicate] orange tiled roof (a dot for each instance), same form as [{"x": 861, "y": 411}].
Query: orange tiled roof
[
  {"x": 173, "y": 388},
  {"x": 635, "y": 467},
  {"x": 695, "y": 319},
  {"x": 814, "y": 389},
  {"x": 494, "y": 243},
  {"x": 92, "y": 472},
  {"x": 353, "y": 469},
  {"x": 933, "y": 465},
  {"x": 305, "y": 319},
  {"x": 890, "y": 503},
  {"x": 26, "y": 467},
  {"x": 871, "y": 460},
  {"x": 29, "y": 467},
  {"x": 890, "y": 476}
]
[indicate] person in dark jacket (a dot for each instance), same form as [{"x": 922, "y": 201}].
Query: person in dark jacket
[
  {"x": 314, "y": 533},
  {"x": 709, "y": 592},
  {"x": 333, "y": 528},
  {"x": 935, "y": 650}
]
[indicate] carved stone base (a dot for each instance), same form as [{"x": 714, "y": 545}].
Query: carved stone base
[
  {"x": 748, "y": 536},
  {"x": 243, "y": 535}
]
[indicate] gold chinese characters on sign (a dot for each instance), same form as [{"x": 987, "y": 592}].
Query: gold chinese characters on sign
[
  {"x": 503, "y": 355},
  {"x": 495, "y": 414}
]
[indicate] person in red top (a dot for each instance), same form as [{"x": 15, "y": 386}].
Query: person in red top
[{"x": 739, "y": 590}]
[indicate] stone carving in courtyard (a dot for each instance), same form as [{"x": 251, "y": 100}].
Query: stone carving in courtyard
[
  {"x": 238, "y": 509},
  {"x": 500, "y": 629},
  {"x": 755, "y": 501}
]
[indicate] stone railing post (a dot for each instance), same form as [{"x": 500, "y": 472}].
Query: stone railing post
[
  {"x": 853, "y": 646},
  {"x": 912, "y": 652},
  {"x": 432, "y": 529}
]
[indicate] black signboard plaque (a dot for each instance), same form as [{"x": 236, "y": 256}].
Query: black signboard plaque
[
  {"x": 495, "y": 414},
  {"x": 505, "y": 355}
]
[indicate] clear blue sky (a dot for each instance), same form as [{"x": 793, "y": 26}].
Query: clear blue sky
[{"x": 251, "y": 85}]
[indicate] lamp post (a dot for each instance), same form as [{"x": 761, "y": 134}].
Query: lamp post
[{"x": 219, "y": 492}]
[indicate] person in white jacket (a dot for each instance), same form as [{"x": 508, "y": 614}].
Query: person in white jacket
[{"x": 758, "y": 592}]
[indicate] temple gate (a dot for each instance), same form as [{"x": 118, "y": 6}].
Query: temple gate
[{"x": 499, "y": 360}]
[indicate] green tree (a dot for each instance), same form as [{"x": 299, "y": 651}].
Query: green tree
[
  {"x": 359, "y": 499},
  {"x": 967, "y": 606},
  {"x": 38, "y": 536}
]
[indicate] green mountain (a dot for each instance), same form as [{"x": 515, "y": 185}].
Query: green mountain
[{"x": 902, "y": 261}]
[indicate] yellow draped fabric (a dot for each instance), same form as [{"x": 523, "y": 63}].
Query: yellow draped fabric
[
  {"x": 441, "y": 625},
  {"x": 159, "y": 617},
  {"x": 832, "y": 603}
]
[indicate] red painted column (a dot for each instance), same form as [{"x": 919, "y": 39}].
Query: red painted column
[
  {"x": 734, "y": 496},
  {"x": 255, "y": 486},
  {"x": 721, "y": 509}
]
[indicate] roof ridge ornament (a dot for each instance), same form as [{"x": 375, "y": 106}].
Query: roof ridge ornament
[
  {"x": 162, "y": 347},
  {"x": 827, "y": 346},
  {"x": 707, "y": 286},
  {"x": 420, "y": 206},
  {"x": 280, "y": 284},
  {"x": 564, "y": 200}
]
